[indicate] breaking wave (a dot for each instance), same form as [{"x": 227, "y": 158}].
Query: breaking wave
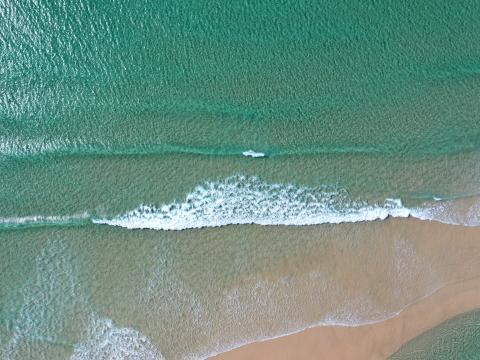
[
  {"x": 240, "y": 200},
  {"x": 249, "y": 200},
  {"x": 254, "y": 154}
]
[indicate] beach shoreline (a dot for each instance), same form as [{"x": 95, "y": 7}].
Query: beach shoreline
[{"x": 380, "y": 339}]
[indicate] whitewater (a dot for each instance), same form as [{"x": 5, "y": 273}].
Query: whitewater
[{"x": 240, "y": 199}]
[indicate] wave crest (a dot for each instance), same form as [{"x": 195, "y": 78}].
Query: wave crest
[
  {"x": 254, "y": 154},
  {"x": 249, "y": 200}
]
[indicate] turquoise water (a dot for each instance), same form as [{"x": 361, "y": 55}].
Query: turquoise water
[
  {"x": 180, "y": 115},
  {"x": 202, "y": 77},
  {"x": 119, "y": 98},
  {"x": 146, "y": 101},
  {"x": 458, "y": 338}
]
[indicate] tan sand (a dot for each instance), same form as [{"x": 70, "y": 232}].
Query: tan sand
[
  {"x": 375, "y": 341},
  {"x": 382, "y": 339}
]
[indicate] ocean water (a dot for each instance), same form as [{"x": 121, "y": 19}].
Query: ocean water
[
  {"x": 139, "y": 127},
  {"x": 457, "y": 338}
]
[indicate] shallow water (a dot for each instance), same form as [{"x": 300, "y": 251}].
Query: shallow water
[
  {"x": 187, "y": 114},
  {"x": 458, "y": 338},
  {"x": 186, "y": 294}
]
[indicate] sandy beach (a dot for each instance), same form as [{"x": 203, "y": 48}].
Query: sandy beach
[{"x": 382, "y": 339}]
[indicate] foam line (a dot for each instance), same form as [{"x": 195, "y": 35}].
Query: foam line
[
  {"x": 249, "y": 200},
  {"x": 253, "y": 154}
]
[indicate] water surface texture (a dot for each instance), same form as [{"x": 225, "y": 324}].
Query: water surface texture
[
  {"x": 457, "y": 338},
  {"x": 157, "y": 121}
]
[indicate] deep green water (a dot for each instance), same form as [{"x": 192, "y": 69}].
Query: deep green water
[
  {"x": 109, "y": 105},
  {"x": 202, "y": 76},
  {"x": 458, "y": 338},
  {"x": 137, "y": 114}
]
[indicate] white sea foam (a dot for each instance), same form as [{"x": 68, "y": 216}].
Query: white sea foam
[
  {"x": 47, "y": 302},
  {"x": 249, "y": 200},
  {"x": 107, "y": 341},
  {"x": 351, "y": 312},
  {"x": 253, "y": 154},
  {"x": 455, "y": 212}
]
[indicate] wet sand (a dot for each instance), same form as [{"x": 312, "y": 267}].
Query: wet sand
[{"x": 382, "y": 339}]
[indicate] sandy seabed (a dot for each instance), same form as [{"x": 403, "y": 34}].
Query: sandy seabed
[{"x": 460, "y": 293}]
